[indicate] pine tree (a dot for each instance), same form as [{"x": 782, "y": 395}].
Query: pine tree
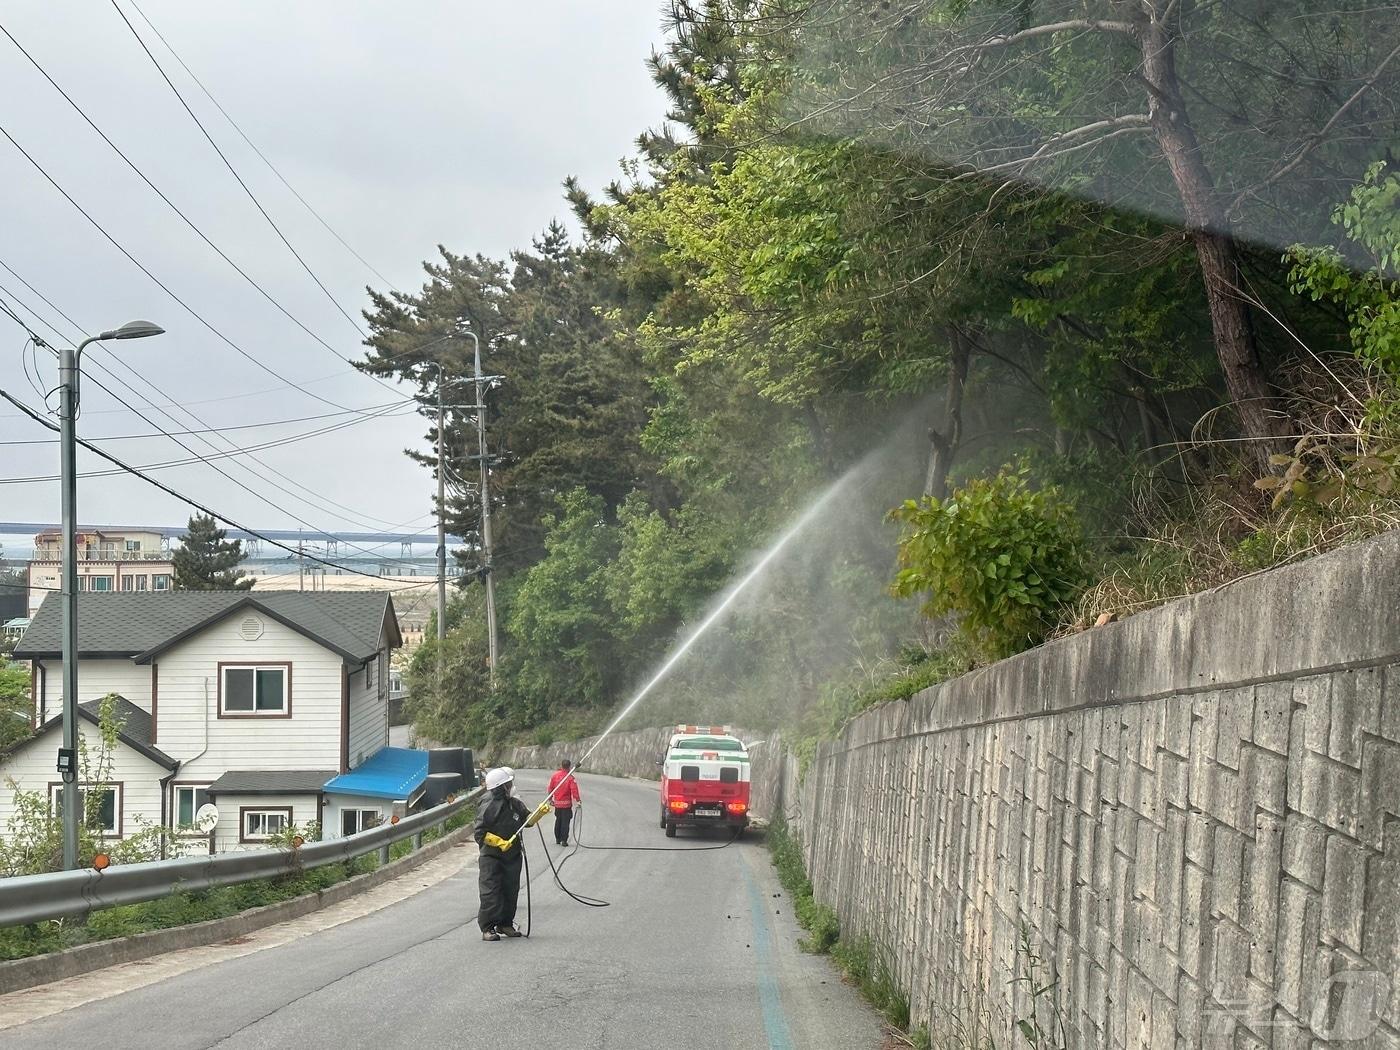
[{"x": 206, "y": 561}]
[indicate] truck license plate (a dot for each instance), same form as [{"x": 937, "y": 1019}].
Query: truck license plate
[{"x": 708, "y": 811}]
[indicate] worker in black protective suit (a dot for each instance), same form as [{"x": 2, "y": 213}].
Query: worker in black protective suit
[{"x": 498, "y": 826}]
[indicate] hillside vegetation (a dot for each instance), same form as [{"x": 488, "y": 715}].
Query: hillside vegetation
[{"x": 1104, "y": 311}]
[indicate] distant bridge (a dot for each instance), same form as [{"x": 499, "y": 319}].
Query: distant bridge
[{"x": 21, "y": 528}]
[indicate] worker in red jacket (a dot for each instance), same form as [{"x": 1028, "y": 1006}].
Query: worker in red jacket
[{"x": 564, "y": 796}]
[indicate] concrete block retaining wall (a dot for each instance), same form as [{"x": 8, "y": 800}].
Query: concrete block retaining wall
[{"x": 1191, "y": 818}]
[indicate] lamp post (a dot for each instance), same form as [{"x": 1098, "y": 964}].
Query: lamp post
[{"x": 69, "y": 362}]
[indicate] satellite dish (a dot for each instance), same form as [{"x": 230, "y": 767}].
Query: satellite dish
[{"x": 207, "y": 819}]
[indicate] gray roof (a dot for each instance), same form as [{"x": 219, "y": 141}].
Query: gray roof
[
  {"x": 135, "y": 732},
  {"x": 142, "y": 624},
  {"x": 271, "y": 782},
  {"x": 136, "y": 721}
]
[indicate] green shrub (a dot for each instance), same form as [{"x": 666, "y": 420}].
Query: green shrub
[{"x": 1004, "y": 558}]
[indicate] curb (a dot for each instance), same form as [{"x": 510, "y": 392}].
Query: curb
[{"x": 17, "y": 974}]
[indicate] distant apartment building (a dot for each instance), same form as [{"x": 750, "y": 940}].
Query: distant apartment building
[{"x": 108, "y": 560}]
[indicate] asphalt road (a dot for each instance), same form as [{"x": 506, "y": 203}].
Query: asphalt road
[{"x": 695, "y": 950}]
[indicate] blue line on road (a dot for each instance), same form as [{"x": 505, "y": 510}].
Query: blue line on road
[{"x": 774, "y": 1021}]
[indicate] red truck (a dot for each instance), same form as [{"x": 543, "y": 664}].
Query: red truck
[{"x": 704, "y": 780}]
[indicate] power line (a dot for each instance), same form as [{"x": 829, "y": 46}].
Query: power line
[
  {"x": 234, "y": 172},
  {"x": 370, "y": 410},
  {"x": 176, "y": 209},
  {"x": 168, "y": 490},
  {"x": 350, "y": 514},
  {"x": 201, "y": 422},
  {"x": 230, "y": 397},
  {"x": 254, "y": 147},
  {"x": 290, "y": 439},
  {"x": 156, "y": 280}
]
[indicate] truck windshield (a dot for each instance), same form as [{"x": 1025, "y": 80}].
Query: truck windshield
[{"x": 709, "y": 743}]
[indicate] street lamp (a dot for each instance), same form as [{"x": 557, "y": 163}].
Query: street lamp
[{"x": 69, "y": 362}]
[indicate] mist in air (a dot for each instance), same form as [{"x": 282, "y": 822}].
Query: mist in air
[{"x": 809, "y": 614}]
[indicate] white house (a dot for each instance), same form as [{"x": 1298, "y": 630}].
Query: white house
[{"x": 271, "y": 705}]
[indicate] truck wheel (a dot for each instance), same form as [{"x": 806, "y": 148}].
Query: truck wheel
[{"x": 670, "y": 831}]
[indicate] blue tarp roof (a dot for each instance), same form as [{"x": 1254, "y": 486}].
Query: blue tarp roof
[{"x": 391, "y": 772}]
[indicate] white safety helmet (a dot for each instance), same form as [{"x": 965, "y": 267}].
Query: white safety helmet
[{"x": 498, "y": 776}]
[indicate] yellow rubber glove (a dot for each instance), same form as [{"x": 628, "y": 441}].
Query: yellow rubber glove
[
  {"x": 540, "y": 811},
  {"x": 504, "y": 845}
]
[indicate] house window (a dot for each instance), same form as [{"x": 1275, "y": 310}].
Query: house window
[
  {"x": 101, "y": 813},
  {"x": 259, "y": 825},
  {"x": 141, "y": 582},
  {"x": 249, "y": 690},
  {"x": 188, "y": 799},
  {"x": 133, "y": 545},
  {"x": 128, "y": 583},
  {"x": 95, "y": 583},
  {"x": 356, "y": 820},
  {"x": 160, "y": 582},
  {"x": 371, "y": 666}
]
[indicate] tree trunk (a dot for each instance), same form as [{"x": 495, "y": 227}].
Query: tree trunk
[
  {"x": 820, "y": 445},
  {"x": 1245, "y": 379},
  {"x": 944, "y": 444}
]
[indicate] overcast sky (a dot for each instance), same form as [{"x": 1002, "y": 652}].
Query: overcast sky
[{"x": 405, "y": 125}]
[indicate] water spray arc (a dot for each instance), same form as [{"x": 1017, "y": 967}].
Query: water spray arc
[
  {"x": 719, "y": 610},
  {"x": 709, "y": 621}
]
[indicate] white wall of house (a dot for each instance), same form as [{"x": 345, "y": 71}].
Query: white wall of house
[
  {"x": 337, "y": 805},
  {"x": 96, "y": 678},
  {"x": 189, "y": 724},
  {"x": 305, "y": 809},
  {"x": 32, "y": 767},
  {"x": 369, "y": 710}
]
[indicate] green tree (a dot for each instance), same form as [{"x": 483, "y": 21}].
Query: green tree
[
  {"x": 562, "y": 653},
  {"x": 207, "y": 561},
  {"x": 1215, "y": 116},
  {"x": 14, "y": 704}
]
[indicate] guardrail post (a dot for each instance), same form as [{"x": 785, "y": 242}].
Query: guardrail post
[
  {"x": 383, "y": 855},
  {"x": 417, "y": 842}
]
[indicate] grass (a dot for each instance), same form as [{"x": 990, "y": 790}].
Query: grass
[
  {"x": 869, "y": 969},
  {"x": 868, "y": 966},
  {"x": 863, "y": 965},
  {"x": 178, "y": 909},
  {"x": 183, "y": 909},
  {"x": 820, "y": 922},
  {"x": 915, "y": 669}
]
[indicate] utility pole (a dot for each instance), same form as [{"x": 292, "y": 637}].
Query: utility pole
[
  {"x": 69, "y": 363},
  {"x": 441, "y": 523},
  {"x": 491, "y": 643}
]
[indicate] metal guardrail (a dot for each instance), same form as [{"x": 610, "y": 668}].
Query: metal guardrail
[{"x": 32, "y": 898}]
